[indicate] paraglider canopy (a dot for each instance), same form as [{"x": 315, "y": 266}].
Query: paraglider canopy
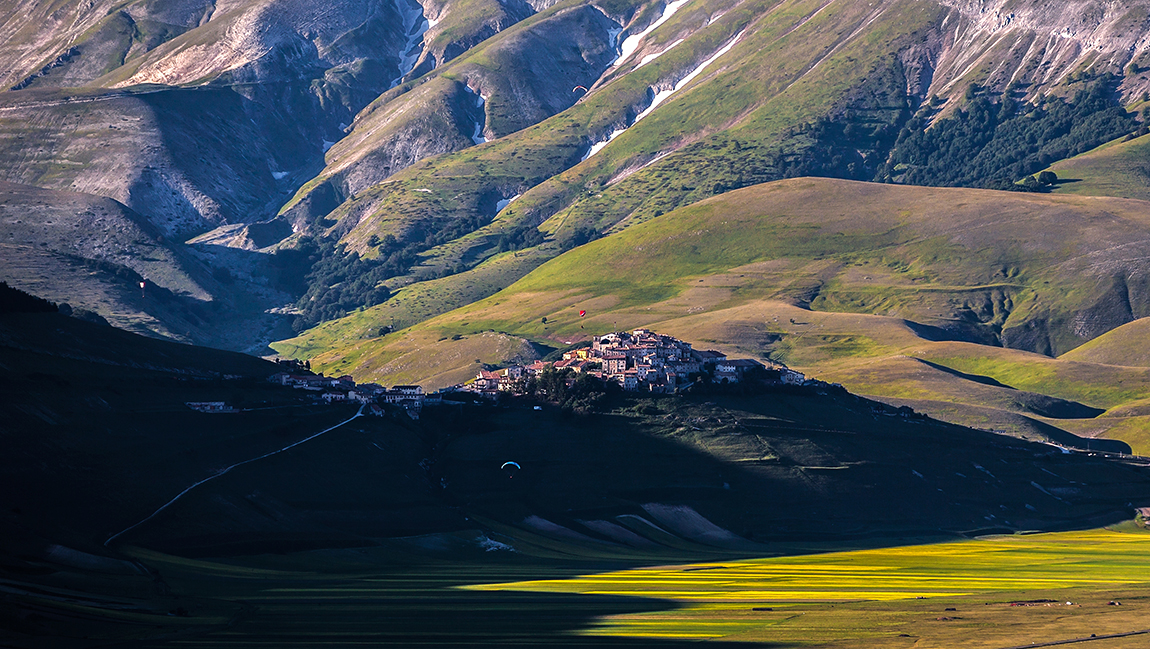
[{"x": 507, "y": 464}]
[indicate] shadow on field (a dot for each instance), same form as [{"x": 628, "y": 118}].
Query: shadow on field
[{"x": 448, "y": 619}]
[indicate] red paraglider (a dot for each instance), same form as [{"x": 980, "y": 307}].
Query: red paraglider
[{"x": 582, "y": 313}]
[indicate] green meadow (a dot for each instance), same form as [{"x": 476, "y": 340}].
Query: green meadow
[
  {"x": 1116, "y": 168},
  {"x": 992, "y": 592}
]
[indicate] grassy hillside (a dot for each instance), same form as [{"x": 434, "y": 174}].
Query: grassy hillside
[
  {"x": 97, "y": 397},
  {"x": 852, "y": 282},
  {"x": 949, "y": 259},
  {"x": 799, "y": 89},
  {"x": 1119, "y": 168},
  {"x": 276, "y": 531},
  {"x": 446, "y": 207},
  {"x": 99, "y": 434},
  {"x": 1120, "y": 346}
]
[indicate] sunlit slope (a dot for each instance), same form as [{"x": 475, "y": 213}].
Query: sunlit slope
[
  {"x": 1038, "y": 272},
  {"x": 873, "y": 286},
  {"x": 1125, "y": 345},
  {"x": 508, "y": 82},
  {"x": 764, "y": 67},
  {"x": 720, "y": 95},
  {"x": 991, "y": 592},
  {"x": 1120, "y": 168}
]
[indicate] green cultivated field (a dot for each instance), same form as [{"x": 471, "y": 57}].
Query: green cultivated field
[{"x": 993, "y": 592}]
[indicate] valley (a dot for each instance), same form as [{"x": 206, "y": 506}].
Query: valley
[
  {"x": 323, "y": 323},
  {"x": 301, "y": 517}
]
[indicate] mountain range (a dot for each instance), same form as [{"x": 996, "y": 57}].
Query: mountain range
[{"x": 938, "y": 209}]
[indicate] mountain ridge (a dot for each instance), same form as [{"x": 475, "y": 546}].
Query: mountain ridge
[{"x": 360, "y": 130}]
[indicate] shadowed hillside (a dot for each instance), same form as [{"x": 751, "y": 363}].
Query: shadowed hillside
[{"x": 98, "y": 406}]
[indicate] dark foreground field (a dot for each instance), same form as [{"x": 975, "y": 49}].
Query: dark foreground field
[{"x": 994, "y": 592}]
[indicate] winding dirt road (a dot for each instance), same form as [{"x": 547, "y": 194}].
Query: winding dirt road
[{"x": 358, "y": 414}]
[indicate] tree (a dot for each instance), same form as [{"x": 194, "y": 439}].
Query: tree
[{"x": 1047, "y": 178}]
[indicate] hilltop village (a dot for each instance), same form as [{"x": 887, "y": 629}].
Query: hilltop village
[{"x": 638, "y": 361}]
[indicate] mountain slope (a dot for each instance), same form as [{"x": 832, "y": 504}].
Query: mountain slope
[
  {"x": 520, "y": 78},
  {"x": 843, "y": 280},
  {"x": 1119, "y": 346},
  {"x": 730, "y": 96},
  {"x": 352, "y": 133},
  {"x": 963, "y": 261},
  {"x": 1118, "y": 168}
]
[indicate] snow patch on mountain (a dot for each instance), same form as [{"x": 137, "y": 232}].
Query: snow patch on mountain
[
  {"x": 502, "y": 203},
  {"x": 631, "y": 43},
  {"x": 613, "y": 36},
  {"x": 661, "y": 96},
  {"x": 415, "y": 25},
  {"x": 478, "y": 137},
  {"x": 598, "y": 146}
]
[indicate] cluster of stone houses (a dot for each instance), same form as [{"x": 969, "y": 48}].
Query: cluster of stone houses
[
  {"x": 340, "y": 389},
  {"x": 640, "y": 360}
]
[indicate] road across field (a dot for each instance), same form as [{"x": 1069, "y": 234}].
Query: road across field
[{"x": 358, "y": 414}]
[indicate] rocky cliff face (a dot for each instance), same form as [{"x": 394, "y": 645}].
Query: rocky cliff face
[
  {"x": 540, "y": 69},
  {"x": 1039, "y": 45},
  {"x": 187, "y": 159}
]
